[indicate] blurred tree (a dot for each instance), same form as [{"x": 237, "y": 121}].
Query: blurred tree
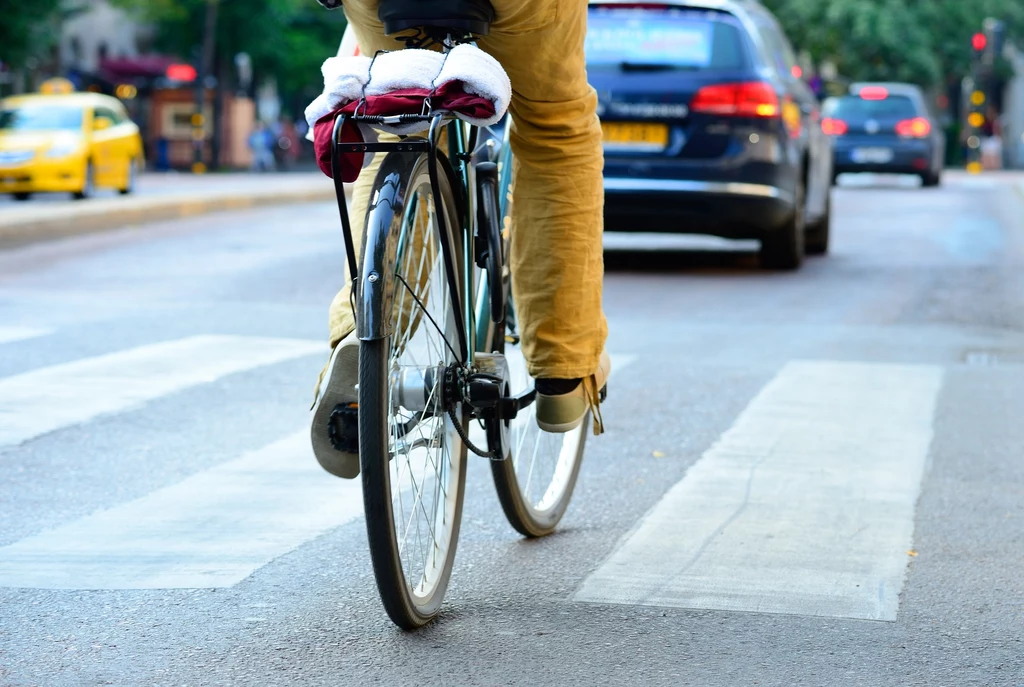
[
  {"x": 956, "y": 21},
  {"x": 286, "y": 39},
  {"x": 27, "y": 29},
  {"x": 921, "y": 41}
]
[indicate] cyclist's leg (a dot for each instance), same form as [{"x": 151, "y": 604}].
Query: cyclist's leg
[
  {"x": 557, "y": 254},
  {"x": 362, "y": 15},
  {"x": 339, "y": 377}
]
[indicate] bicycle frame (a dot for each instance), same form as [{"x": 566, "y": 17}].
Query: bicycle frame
[
  {"x": 370, "y": 289},
  {"x": 472, "y": 380}
]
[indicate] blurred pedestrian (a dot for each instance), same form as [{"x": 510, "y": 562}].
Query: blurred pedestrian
[
  {"x": 817, "y": 85},
  {"x": 286, "y": 148},
  {"x": 261, "y": 142},
  {"x": 992, "y": 141},
  {"x": 305, "y": 148}
]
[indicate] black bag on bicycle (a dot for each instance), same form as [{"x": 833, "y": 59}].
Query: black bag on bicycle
[{"x": 471, "y": 16}]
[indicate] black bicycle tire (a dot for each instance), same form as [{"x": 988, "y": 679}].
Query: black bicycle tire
[{"x": 374, "y": 461}]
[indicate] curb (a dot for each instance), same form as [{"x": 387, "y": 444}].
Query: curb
[{"x": 106, "y": 215}]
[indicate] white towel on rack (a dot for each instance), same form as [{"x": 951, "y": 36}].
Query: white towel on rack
[
  {"x": 480, "y": 75},
  {"x": 347, "y": 79}
]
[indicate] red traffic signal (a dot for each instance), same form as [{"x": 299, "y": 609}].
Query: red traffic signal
[{"x": 978, "y": 42}]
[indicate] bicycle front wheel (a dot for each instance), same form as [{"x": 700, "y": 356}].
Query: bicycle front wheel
[{"x": 412, "y": 459}]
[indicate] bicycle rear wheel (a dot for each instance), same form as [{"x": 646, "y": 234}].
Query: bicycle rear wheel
[
  {"x": 536, "y": 480},
  {"x": 412, "y": 460}
]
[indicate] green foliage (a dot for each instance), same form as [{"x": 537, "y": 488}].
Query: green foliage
[
  {"x": 921, "y": 41},
  {"x": 27, "y": 29},
  {"x": 286, "y": 39}
]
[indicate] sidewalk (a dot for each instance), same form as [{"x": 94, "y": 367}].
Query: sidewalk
[{"x": 158, "y": 197}]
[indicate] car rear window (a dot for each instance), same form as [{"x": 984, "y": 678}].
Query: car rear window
[
  {"x": 856, "y": 108},
  {"x": 40, "y": 118},
  {"x": 663, "y": 38}
]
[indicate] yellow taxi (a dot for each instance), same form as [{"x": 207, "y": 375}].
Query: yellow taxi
[{"x": 70, "y": 142}]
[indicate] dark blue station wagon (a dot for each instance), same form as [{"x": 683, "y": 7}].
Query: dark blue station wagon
[{"x": 708, "y": 126}]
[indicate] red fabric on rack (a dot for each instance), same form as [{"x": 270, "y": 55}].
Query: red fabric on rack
[{"x": 449, "y": 97}]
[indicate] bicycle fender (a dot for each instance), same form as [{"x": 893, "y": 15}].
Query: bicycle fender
[
  {"x": 377, "y": 284},
  {"x": 375, "y": 299}
]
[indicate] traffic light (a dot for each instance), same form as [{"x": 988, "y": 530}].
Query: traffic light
[
  {"x": 986, "y": 47},
  {"x": 978, "y": 42}
]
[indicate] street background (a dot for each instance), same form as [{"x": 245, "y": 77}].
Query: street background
[
  {"x": 809, "y": 477},
  {"x": 255, "y": 66}
]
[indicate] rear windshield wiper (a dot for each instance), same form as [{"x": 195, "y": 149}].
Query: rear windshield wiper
[{"x": 648, "y": 67}]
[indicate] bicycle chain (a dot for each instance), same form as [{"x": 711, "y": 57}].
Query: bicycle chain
[{"x": 490, "y": 455}]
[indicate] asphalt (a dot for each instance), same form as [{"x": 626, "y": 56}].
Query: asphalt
[{"x": 916, "y": 278}]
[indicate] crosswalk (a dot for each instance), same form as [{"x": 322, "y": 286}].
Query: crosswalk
[
  {"x": 11, "y": 334},
  {"x": 210, "y": 530},
  {"x": 804, "y": 506},
  {"x": 44, "y": 400}
]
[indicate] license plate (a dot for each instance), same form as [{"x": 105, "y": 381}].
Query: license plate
[
  {"x": 635, "y": 136},
  {"x": 871, "y": 155}
]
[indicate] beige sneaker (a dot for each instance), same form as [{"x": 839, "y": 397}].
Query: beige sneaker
[
  {"x": 336, "y": 412},
  {"x": 564, "y": 412}
]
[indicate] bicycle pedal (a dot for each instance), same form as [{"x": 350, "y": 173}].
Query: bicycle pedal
[{"x": 343, "y": 427}]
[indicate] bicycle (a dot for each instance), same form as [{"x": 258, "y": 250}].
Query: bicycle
[{"x": 441, "y": 369}]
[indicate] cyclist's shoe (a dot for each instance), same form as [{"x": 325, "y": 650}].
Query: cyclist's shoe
[
  {"x": 336, "y": 412},
  {"x": 563, "y": 403}
]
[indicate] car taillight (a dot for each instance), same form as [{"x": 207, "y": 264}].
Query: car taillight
[
  {"x": 918, "y": 127},
  {"x": 748, "y": 99},
  {"x": 834, "y": 127}
]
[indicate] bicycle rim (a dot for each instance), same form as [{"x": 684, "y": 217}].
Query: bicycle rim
[
  {"x": 413, "y": 461},
  {"x": 536, "y": 480}
]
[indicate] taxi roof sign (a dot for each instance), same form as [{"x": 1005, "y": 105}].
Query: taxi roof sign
[{"x": 57, "y": 86}]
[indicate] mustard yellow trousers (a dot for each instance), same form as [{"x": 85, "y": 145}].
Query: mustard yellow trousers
[{"x": 556, "y": 255}]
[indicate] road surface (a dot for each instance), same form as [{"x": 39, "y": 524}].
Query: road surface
[{"x": 808, "y": 478}]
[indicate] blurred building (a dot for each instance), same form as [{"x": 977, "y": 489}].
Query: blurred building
[
  {"x": 103, "y": 49},
  {"x": 100, "y": 32},
  {"x": 1013, "y": 111}
]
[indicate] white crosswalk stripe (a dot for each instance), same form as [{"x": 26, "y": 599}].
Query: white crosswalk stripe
[
  {"x": 210, "y": 530},
  {"x": 51, "y": 398},
  {"x": 213, "y": 529},
  {"x": 805, "y": 506},
  {"x": 11, "y": 334}
]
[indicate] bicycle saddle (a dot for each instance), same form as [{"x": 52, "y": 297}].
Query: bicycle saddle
[{"x": 458, "y": 16}]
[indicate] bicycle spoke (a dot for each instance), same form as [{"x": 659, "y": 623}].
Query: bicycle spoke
[
  {"x": 529, "y": 475},
  {"x": 420, "y": 448},
  {"x": 535, "y": 484}
]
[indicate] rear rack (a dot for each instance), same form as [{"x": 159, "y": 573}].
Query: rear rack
[{"x": 437, "y": 122}]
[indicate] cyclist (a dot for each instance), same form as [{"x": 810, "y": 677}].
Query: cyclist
[{"x": 557, "y": 253}]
